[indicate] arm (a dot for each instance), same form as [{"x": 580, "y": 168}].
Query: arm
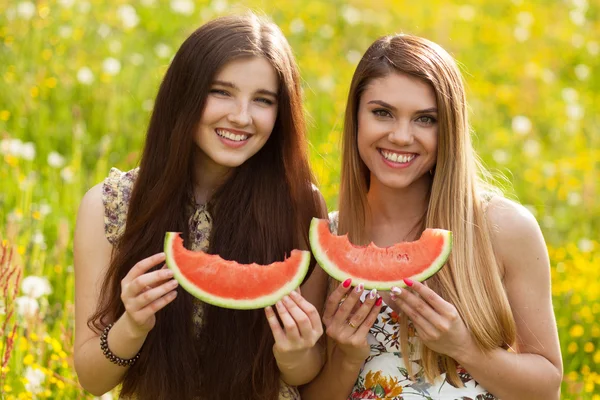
[
  {"x": 92, "y": 253},
  {"x": 535, "y": 371}
]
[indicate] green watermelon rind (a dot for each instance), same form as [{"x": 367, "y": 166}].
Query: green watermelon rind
[
  {"x": 335, "y": 272},
  {"x": 259, "y": 302}
]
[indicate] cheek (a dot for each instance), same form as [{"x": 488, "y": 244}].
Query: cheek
[
  {"x": 265, "y": 118},
  {"x": 214, "y": 110}
]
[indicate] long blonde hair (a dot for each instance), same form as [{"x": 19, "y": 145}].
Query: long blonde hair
[{"x": 471, "y": 280}]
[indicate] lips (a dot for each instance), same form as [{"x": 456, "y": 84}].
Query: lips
[
  {"x": 233, "y": 135},
  {"x": 397, "y": 157}
]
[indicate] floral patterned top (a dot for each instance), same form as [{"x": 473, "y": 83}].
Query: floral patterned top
[
  {"x": 116, "y": 192},
  {"x": 384, "y": 374}
]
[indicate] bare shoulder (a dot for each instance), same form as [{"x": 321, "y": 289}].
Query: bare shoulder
[
  {"x": 89, "y": 231},
  {"x": 516, "y": 235}
]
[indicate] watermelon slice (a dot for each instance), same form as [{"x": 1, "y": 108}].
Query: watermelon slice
[
  {"x": 379, "y": 267},
  {"x": 229, "y": 284}
]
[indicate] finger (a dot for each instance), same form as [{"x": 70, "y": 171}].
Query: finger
[
  {"x": 147, "y": 297},
  {"x": 367, "y": 324},
  {"x": 144, "y": 266},
  {"x": 300, "y": 318},
  {"x": 334, "y": 300},
  {"x": 291, "y": 329},
  {"x": 432, "y": 298},
  {"x": 278, "y": 333},
  {"x": 309, "y": 309},
  {"x": 341, "y": 316},
  {"x": 361, "y": 312},
  {"x": 417, "y": 303},
  {"x": 152, "y": 279},
  {"x": 424, "y": 327},
  {"x": 298, "y": 290},
  {"x": 156, "y": 305}
]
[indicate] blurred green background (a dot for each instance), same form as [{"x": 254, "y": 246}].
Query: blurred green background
[{"x": 77, "y": 82}]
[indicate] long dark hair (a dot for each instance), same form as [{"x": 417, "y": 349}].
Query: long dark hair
[{"x": 230, "y": 355}]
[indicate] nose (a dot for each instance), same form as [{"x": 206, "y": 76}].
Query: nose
[
  {"x": 402, "y": 134},
  {"x": 240, "y": 114}
]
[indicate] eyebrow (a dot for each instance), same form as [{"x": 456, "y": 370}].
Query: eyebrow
[
  {"x": 391, "y": 107},
  {"x": 233, "y": 86}
]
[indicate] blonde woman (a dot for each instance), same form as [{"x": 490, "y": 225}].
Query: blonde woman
[{"x": 483, "y": 327}]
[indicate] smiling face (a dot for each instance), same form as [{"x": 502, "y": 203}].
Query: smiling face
[
  {"x": 397, "y": 130},
  {"x": 239, "y": 115}
]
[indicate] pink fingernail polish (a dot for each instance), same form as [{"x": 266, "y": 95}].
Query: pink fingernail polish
[
  {"x": 396, "y": 290},
  {"x": 347, "y": 283},
  {"x": 360, "y": 288},
  {"x": 408, "y": 282},
  {"x": 393, "y": 296},
  {"x": 379, "y": 301},
  {"x": 372, "y": 294}
]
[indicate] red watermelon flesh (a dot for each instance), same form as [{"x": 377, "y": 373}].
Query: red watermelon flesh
[
  {"x": 379, "y": 267},
  {"x": 230, "y": 284}
]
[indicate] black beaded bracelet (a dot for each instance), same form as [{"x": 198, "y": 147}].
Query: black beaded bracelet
[{"x": 108, "y": 354}]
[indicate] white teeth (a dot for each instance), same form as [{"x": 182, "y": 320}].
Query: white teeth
[
  {"x": 231, "y": 136},
  {"x": 395, "y": 157}
]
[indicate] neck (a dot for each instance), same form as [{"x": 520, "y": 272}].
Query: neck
[
  {"x": 398, "y": 210},
  {"x": 208, "y": 176}
]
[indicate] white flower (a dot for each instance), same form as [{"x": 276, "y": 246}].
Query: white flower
[
  {"x": 147, "y": 105},
  {"x": 28, "y": 151},
  {"x": 45, "y": 209},
  {"x": 111, "y": 66},
  {"x": 326, "y": 83},
  {"x": 67, "y": 174},
  {"x": 575, "y": 111},
  {"x": 103, "y": 30},
  {"x": 525, "y": 18},
  {"x": 136, "y": 59},
  {"x": 27, "y": 307},
  {"x": 65, "y": 31},
  {"x": 326, "y": 31},
  {"x": 521, "y": 125},
  {"x": 11, "y": 146},
  {"x": 593, "y": 48},
  {"x": 353, "y": 56},
  {"x": 521, "y": 33},
  {"x": 128, "y": 16},
  {"x": 85, "y": 75},
  {"x": 582, "y": 71},
  {"x": 26, "y": 9},
  {"x": 585, "y": 245},
  {"x": 219, "y": 5},
  {"x": 578, "y": 17},
  {"x": 162, "y": 50},
  {"x": 577, "y": 40},
  {"x": 570, "y": 95},
  {"x": 351, "y": 15},
  {"x": 574, "y": 199},
  {"x": 466, "y": 13},
  {"x": 36, "y": 286},
  {"x": 34, "y": 377},
  {"x": 66, "y": 3},
  {"x": 297, "y": 26},
  {"x": 548, "y": 75},
  {"x": 55, "y": 160},
  {"x": 531, "y": 147},
  {"x": 38, "y": 238},
  {"x": 185, "y": 7},
  {"x": 501, "y": 156},
  {"x": 84, "y": 6}
]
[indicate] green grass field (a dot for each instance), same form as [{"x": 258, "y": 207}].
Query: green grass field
[{"x": 77, "y": 82}]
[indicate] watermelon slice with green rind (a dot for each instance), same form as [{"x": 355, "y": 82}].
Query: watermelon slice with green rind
[
  {"x": 229, "y": 284},
  {"x": 379, "y": 267}
]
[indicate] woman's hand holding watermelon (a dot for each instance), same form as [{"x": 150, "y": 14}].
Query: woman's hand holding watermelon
[
  {"x": 348, "y": 322},
  {"x": 144, "y": 293},
  {"x": 295, "y": 342},
  {"x": 437, "y": 322}
]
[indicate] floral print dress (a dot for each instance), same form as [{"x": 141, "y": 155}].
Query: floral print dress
[
  {"x": 385, "y": 375},
  {"x": 116, "y": 192}
]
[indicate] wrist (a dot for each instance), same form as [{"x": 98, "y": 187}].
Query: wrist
[{"x": 129, "y": 328}]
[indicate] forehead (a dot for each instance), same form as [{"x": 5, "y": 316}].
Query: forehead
[
  {"x": 400, "y": 90},
  {"x": 249, "y": 72}
]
